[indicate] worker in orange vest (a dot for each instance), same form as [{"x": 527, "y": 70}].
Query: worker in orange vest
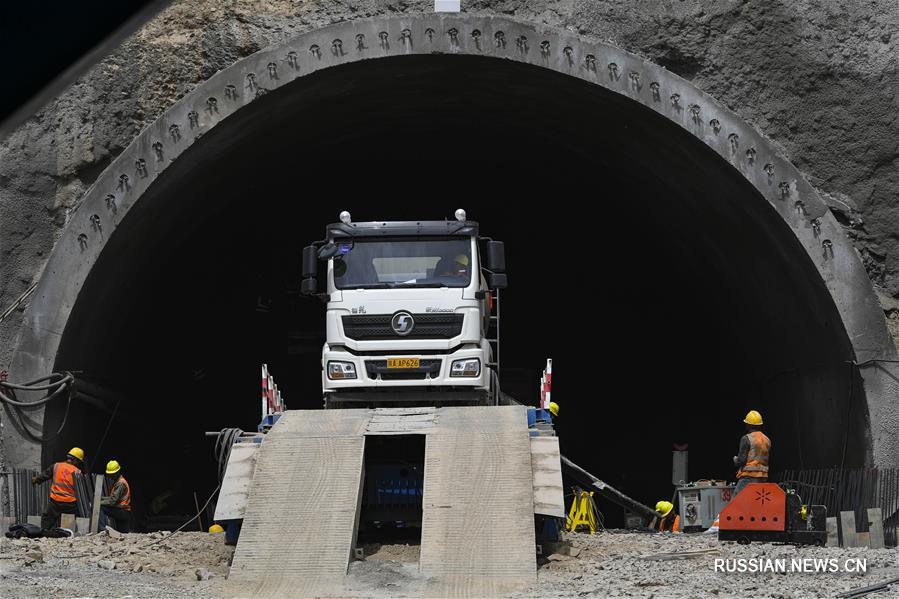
[
  {"x": 63, "y": 492},
  {"x": 117, "y": 505},
  {"x": 752, "y": 459},
  {"x": 668, "y": 522}
]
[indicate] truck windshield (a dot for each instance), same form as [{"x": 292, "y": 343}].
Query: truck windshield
[{"x": 403, "y": 262}]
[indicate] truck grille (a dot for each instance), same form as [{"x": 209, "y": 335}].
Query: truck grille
[
  {"x": 375, "y": 327},
  {"x": 426, "y": 368}
]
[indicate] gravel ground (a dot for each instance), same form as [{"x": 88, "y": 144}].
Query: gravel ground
[{"x": 611, "y": 564}]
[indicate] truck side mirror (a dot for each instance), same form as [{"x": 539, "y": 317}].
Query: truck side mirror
[
  {"x": 309, "y": 287},
  {"x": 496, "y": 256},
  {"x": 310, "y": 262},
  {"x": 496, "y": 280}
]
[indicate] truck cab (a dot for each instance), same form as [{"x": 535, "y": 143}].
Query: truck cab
[{"x": 410, "y": 305}]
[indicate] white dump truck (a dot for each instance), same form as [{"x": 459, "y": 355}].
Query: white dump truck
[{"x": 412, "y": 312}]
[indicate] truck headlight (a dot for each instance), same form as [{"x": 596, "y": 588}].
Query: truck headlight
[
  {"x": 341, "y": 370},
  {"x": 470, "y": 367}
]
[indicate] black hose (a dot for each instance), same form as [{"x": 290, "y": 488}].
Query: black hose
[{"x": 15, "y": 409}]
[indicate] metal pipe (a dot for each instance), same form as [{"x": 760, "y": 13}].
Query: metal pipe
[{"x": 607, "y": 491}]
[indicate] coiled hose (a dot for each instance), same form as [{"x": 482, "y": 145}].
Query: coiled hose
[{"x": 58, "y": 384}]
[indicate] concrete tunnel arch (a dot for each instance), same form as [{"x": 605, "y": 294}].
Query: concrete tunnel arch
[{"x": 219, "y": 108}]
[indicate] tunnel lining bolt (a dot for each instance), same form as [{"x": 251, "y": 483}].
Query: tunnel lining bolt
[
  {"x": 430, "y": 33},
  {"x": 231, "y": 91},
  {"x": 95, "y": 223},
  {"x": 695, "y": 109},
  {"x": 123, "y": 182},
  {"x": 769, "y": 169},
  {"x": 545, "y": 48},
  {"x": 212, "y": 104},
  {"x": 272, "y": 70},
  {"x": 175, "y": 131},
  {"x": 750, "y": 155},
  {"x": 157, "y": 147},
  {"x": 315, "y": 51},
  {"x": 590, "y": 62},
  {"x": 613, "y": 72},
  {"x": 634, "y": 77},
  {"x": 827, "y": 246},
  {"x": 734, "y": 140},
  {"x": 406, "y": 37},
  {"x": 82, "y": 241},
  {"x": 816, "y": 226},
  {"x": 522, "y": 42},
  {"x": 292, "y": 60},
  {"x": 784, "y": 189},
  {"x": 453, "y": 34},
  {"x": 141, "y": 166},
  {"x": 568, "y": 51},
  {"x": 110, "y": 203},
  {"x": 800, "y": 207},
  {"x": 385, "y": 42},
  {"x": 193, "y": 118},
  {"x": 251, "y": 81},
  {"x": 656, "y": 90},
  {"x": 675, "y": 100},
  {"x": 337, "y": 48},
  {"x": 360, "y": 42},
  {"x": 715, "y": 124},
  {"x": 499, "y": 39}
]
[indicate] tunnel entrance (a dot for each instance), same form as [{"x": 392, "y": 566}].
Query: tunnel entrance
[{"x": 671, "y": 296}]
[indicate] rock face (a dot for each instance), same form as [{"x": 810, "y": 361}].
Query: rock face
[{"x": 819, "y": 78}]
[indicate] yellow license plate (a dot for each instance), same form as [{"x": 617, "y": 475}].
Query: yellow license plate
[{"x": 403, "y": 362}]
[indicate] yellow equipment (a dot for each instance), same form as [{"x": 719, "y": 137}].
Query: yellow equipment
[
  {"x": 112, "y": 467},
  {"x": 77, "y": 452},
  {"x": 216, "y": 528},
  {"x": 664, "y": 508},
  {"x": 554, "y": 409},
  {"x": 582, "y": 512},
  {"x": 753, "y": 418},
  {"x": 461, "y": 259}
]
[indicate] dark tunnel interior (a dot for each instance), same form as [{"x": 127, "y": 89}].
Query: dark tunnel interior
[{"x": 669, "y": 294}]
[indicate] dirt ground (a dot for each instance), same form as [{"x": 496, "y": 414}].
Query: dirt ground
[{"x": 610, "y": 564}]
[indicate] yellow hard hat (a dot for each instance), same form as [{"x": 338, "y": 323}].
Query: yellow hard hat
[
  {"x": 112, "y": 467},
  {"x": 216, "y": 528},
  {"x": 461, "y": 259},
  {"x": 664, "y": 507},
  {"x": 553, "y": 408},
  {"x": 753, "y": 418},
  {"x": 77, "y": 452}
]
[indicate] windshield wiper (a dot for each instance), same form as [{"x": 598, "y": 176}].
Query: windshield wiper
[
  {"x": 422, "y": 285},
  {"x": 368, "y": 286}
]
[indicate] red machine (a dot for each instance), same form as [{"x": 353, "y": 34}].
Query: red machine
[{"x": 765, "y": 512}]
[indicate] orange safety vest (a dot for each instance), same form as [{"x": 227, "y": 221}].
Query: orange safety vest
[
  {"x": 62, "y": 489},
  {"x": 125, "y": 501},
  {"x": 756, "y": 465}
]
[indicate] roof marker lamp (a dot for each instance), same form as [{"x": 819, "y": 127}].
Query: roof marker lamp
[
  {"x": 460, "y": 215},
  {"x": 345, "y": 217}
]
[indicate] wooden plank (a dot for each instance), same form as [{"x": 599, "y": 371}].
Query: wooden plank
[
  {"x": 83, "y": 525},
  {"x": 95, "y": 511},
  {"x": 847, "y": 529},
  {"x": 833, "y": 532},
  {"x": 875, "y": 527},
  {"x": 546, "y": 466},
  {"x": 67, "y": 521},
  {"x": 864, "y": 539},
  {"x": 232, "y": 501}
]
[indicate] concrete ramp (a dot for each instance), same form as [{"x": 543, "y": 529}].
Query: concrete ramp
[
  {"x": 478, "y": 505},
  {"x": 300, "y": 519}
]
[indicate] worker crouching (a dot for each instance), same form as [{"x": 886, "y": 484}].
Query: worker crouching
[
  {"x": 668, "y": 521},
  {"x": 63, "y": 492},
  {"x": 752, "y": 459},
  {"x": 117, "y": 505}
]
